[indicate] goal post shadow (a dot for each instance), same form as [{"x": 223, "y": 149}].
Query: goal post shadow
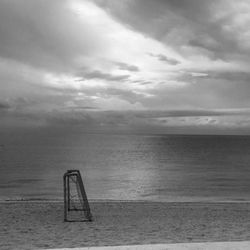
[{"x": 76, "y": 205}]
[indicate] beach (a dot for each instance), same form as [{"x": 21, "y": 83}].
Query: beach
[{"x": 40, "y": 225}]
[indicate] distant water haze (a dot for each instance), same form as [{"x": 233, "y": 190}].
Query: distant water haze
[{"x": 125, "y": 167}]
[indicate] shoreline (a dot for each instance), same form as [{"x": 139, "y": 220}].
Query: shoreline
[{"x": 126, "y": 201}]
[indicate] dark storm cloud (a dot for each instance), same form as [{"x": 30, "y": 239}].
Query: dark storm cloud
[
  {"x": 192, "y": 23},
  {"x": 159, "y": 16},
  {"x": 211, "y": 46},
  {"x": 164, "y": 58}
]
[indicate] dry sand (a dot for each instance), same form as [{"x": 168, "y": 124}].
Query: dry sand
[{"x": 34, "y": 225}]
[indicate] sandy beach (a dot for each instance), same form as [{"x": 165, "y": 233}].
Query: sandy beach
[{"x": 34, "y": 225}]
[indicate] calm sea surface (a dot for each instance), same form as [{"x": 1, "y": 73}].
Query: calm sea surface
[{"x": 125, "y": 167}]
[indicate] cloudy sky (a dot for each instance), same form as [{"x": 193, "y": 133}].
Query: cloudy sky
[{"x": 162, "y": 66}]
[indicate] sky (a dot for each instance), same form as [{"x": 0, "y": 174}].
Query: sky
[{"x": 151, "y": 66}]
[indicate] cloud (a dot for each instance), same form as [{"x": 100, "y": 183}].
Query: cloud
[
  {"x": 49, "y": 39},
  {"x": 166, "y": 59},
  {"x": 4, "y": 105},
  {"x": 217, "y": 29},
  {"x": 124, "y": 66},
  {"x": 82, "y": 108},
  {"x": 105, "y": 76},
  {"x": 128, "y": 95},
  {"x": 72, "y": 61},
  {"x": 179, "y": 113},
  {"x": 175, "y": 121},
  {"x": 41, "y": 55}
]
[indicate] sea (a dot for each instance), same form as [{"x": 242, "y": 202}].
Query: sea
[{"x": 141, "y": 167}]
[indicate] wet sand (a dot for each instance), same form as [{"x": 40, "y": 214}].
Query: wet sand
[{"x": 34, "y": 225}]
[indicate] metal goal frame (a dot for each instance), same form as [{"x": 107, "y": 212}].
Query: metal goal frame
[{"x": 75, "y": 176}]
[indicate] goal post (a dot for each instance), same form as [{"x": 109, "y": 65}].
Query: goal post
[{"x": 76, "y": 205}]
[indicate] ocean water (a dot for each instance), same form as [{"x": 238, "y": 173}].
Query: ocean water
[{"x": 125, "y": 167}]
